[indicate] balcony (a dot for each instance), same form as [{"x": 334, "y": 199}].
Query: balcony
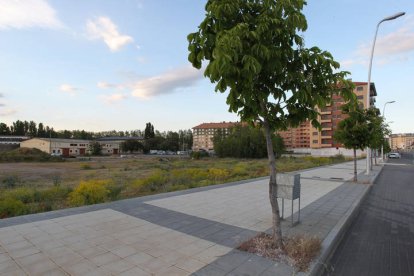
[
  {"x": 326, "y": 145},
  {"x": 326, "y": 120},
  {"x": 326, "y": 112}
]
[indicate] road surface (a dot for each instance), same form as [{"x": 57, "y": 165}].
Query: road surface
[{"x": 381, "y": 239}]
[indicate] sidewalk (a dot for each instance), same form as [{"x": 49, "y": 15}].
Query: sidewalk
[{"x": 181, "y": 233}]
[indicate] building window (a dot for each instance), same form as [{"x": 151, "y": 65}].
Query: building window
[
  {"x": 360, "y": 97},
  {"x": 360, "y": 88},
  {"x": 315, "y": 141}
]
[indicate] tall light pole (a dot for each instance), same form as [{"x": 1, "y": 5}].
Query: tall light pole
[
  {"x": 392, "y": 17},
  {"x": 383, "y": 116}
]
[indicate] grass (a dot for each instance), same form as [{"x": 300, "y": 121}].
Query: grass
[
  {"x": 35, "y": 183},
  {"x": 299, "y": 250}
]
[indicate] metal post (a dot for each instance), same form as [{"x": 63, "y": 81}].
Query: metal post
[{"x": 392, "y": 17}]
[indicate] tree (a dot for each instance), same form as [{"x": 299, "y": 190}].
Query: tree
[
  {"x": 131, "y": 145},
  {"x": 32, "y": 129},
  {"x": 378, "y": 130},
  {"x": 149, "y": 131},
  {"x": 4, "y": 129},
  {"x": 353, "y": 131},
  {"x": 18, "y": 128},
  {"x": 244, "y": 142},
  {"x": 41, "y": 132},
  {"x": 254, "y": 51},
  {"x": 95, "y": 148}
]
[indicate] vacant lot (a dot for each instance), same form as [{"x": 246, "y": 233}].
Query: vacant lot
[{"x": 29, "y": 187}]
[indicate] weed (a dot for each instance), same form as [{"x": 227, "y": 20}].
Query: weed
[
  {"x": 10, "y": 207},
  {"x": 10, "y": 181},
  {"x": 90, "y": 192},
  {"x": 299, "y": 250},
  {"x": 86, "y": 167}
]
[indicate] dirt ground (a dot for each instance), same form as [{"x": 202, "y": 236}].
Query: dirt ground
[{"x": 70, "y": 172}]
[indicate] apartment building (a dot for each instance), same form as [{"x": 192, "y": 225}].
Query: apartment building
[
  {"x": 298, "y": 137},
  {"x": 203, "y": 134},
  {"x": 330, "y": 116},
  {"x": 402, "y": 141}
]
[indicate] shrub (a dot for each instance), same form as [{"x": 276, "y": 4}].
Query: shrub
[
  {"x": 10, "y": 207},
  {"x": 90, "y": 192},
  {"x": 25, "y": 195},
  {"x": 152, "y": 183},
  {"x": 10, "y": 181},
  {"x": 240, "y": 169},
  {"x": 198, "y": 154},
  {"x": 86, "y": 167},
  {"x": 218, "y": 174},
  {"x": 53, "y": 194},
  {"x": 27, "y": 154}
]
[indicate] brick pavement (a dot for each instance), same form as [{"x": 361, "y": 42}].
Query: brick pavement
[{"x": 381, "y": 239}]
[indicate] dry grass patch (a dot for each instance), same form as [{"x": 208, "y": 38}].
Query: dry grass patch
[{"x": 299, "y": 250}]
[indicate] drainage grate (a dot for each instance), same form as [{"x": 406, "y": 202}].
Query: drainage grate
[{"x": 336, "y": 178}]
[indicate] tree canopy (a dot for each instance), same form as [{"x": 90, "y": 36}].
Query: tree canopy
[{"x": 254, "y": 51}]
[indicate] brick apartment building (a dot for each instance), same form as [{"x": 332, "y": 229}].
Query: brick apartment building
[
  {"x": 402, "y": 141},
  {"x": 203, "y": 134},
  {"x": 330, "y": 116}
]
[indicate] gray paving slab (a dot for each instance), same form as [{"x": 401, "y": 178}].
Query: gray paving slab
[{"x": 181, "y": 233}]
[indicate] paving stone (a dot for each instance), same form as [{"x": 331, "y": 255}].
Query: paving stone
[
  {"x": 104, "y": 258},
  {"x": 117, "y": 267},
  {"x": 139, "y": 258},
  {"x": 134, "y": 272}
]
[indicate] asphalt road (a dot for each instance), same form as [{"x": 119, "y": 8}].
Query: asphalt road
[{"x": 381, "y": 239}]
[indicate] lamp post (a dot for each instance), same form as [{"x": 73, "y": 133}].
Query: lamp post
[
  {"x": 383, "y": 115},
  {"x": 392, "y": 17}
]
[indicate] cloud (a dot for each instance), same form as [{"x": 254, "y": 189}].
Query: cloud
[
  {"x": 114, "y": 98},
  {"x": 103, "y": 28},
  {"x": 105, "y": 85},
  {"x": 166, "y": 83},
  {"x": 392, "y": 47},
  {"x": 21, "y": 14},
  {"x": 8, "y": 112},
  {"x": 67, "y": 88}
]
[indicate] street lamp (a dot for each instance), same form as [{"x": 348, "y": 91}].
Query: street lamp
[
  {"x": 392, "y": 17},
  {"x": 383, "y": 115}
]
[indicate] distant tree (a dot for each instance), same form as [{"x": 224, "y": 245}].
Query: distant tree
[
  {"x": 171, "y": 141},
  {"x": 65, "y": 134},
  {"x": 353, "y": 132},
  {"x": 378, "y": 130},
  {"x": 95, "y": 148},
  {"x": 131, "y": 146},
  {"x": 41, "y": 132},
  {"x": 244, "y": 142},
  {"x": 32, "y": 131},
  {"x": 255, "y": 51},
  {"x": 4, "y": 129},
  {"x": 19, "y": 128},
  {"x": 149, "y": 131}
]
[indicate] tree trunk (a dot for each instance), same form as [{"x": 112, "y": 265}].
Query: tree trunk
[
  {"x": 277, "y": 229},
  {"x": 355, "y": 166},
  {"x": 375, "y": 157}
]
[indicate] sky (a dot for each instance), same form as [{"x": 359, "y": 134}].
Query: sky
[{"x": 117, "y": 64}]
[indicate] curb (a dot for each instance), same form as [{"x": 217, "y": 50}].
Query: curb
[{"x": 335, "y": 236}]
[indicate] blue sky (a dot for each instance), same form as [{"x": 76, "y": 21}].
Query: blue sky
[{"x": 117, "y": 64}]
